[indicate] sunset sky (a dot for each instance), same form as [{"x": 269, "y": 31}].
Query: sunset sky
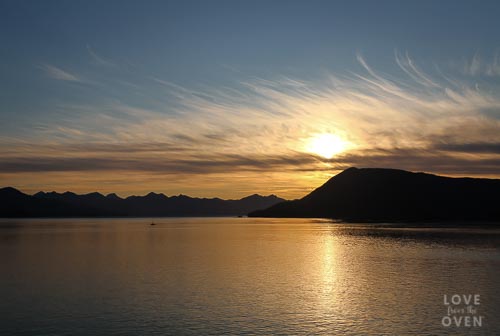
[{"x": 230, "y": 98}]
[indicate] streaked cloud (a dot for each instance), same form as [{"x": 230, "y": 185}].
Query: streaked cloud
[
  {"x": 440, "y": 158},
  {"x": 472, "y": 148},
  {"x": 201, "y": 164}
]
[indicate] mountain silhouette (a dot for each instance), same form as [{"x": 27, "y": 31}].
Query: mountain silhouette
[
  {"x": 14, "y": 203},
  {"x": 375, "y": 194}
]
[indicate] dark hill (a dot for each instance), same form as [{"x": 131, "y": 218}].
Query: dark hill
[
  {"x": 374, "y": 194},
  {"x": 14, "y": 203}
]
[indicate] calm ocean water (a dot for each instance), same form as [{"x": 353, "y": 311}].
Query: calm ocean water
[{"x": 211, "y": 276}]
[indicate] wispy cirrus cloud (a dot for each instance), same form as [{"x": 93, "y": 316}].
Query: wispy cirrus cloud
[
  {"x": 258, "y": 130},
  {"x": 280, "y": 113},
  {"x": 479, "y": 66},
  {"x": 98, "y": 59},
  {"x": 411, "y": 69},
  {"x": 58, "y": 73}
]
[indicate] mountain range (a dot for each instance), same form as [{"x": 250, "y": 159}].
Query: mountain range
[
  {"x": 391, "y": 195},
  {"x": 366, "y": 194},
  {"x": 14, "y": 203}
]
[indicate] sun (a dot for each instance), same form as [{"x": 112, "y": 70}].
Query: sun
[{"x": 326, "y": 145}]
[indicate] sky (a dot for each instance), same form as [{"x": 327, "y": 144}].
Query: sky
[{"x": 230, "y": 98}]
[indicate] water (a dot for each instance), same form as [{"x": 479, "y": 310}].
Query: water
[{"x": 241, "y": 276}]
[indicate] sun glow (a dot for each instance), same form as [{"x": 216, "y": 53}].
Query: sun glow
[{"x": 326, "y": 145}]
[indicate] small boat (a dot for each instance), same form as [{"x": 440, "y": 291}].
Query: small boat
[{"x": 152, "y": 223}]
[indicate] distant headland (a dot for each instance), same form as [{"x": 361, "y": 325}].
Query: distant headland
[{"x": 391, "y": 195}]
